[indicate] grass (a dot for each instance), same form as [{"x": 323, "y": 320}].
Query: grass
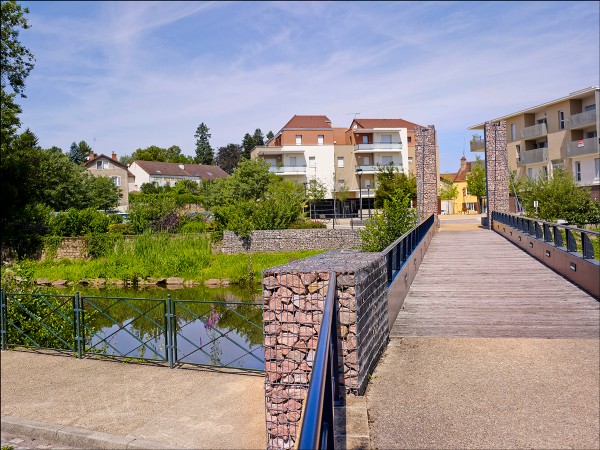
[{"x": 156, "y": 256}]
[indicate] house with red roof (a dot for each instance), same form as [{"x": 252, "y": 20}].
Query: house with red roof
[
  {"x": 464, "y": 203},
  {"x": 105, "y": 166},
  {"x": 163, "y": 173}
]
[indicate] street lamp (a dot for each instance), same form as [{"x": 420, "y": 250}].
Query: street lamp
[
  {"x": 369, "y": 198},
  {"x": 359, "y": 172}
]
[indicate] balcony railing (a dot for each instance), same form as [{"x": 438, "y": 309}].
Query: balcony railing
[
  {"x": 583, "y": 147},
  {"x": 582, "y": 119},
  {"x": 477, "y": 145},
  {"x": 284, "y": 170},
  {"x": 379, "y": 146},
  {"x": 537, "y": 155},
  {"x": 534, "y": 131},
  {"x": 375, "y": 169}
]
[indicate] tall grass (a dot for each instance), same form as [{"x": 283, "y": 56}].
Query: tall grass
[{"x": 162, "y": 255}]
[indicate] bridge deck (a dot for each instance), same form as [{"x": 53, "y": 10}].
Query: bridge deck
[{"x": 477, "y": 284}]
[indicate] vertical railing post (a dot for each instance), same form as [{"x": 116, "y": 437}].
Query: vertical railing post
[
  {"x": 558, "y": 240},
  {"x": 170, "y": 339},
  {"x": 3, "y": 312},
  {"x": 78, "y": 325},
  {"x": 571, "y": 243}
]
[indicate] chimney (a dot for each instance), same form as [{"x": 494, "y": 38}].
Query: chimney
[
  {"x": 91, "y": 155},
  {"x": 114, "y": 156},
  {"x": 463, "y": 163}
]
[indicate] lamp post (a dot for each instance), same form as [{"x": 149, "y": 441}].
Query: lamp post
[
  {"x": 309, "y": 215},
  {"x": 369, "y": 198},
  {"x": 359, "y": 172}
]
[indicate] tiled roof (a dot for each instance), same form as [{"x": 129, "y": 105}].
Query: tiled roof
[
  {"x": 449, "y": 177},
  {"x": 204, "y": 172},
  {"x": 308, "y": 122},
  {"x": 461, "y": 175},
  {"x": 384, "y": 123},
  {"x": 124, "y": 166}
]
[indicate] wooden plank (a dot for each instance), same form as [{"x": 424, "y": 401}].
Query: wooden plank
[{"x": 477, "y": 284}]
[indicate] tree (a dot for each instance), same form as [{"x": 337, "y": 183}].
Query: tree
[
  {"x": 559, "y": 197},
  {"x": 204, "y": 152},
  {"x": 247, "y": 145},
  {"x": 270, "y": 136},
  {"x": 78, "y": 153},
  {"x": 476, "y": 182},
  {"x": 341, "y": 192},
  {"x": 258, "y": 137},
  {"x": 395, "y": 219},
  {"x": 228, "y": 157},
  {"x": 315, "y": 191},
  {"x": 99, "y": 192},
  {"x": 391, "y": 183},
  {"x": 15, "y": 59},
  {"x": 449, "y": 191}
]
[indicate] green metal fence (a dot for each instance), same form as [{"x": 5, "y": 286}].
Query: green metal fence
[{"x": 199, "y": 332}]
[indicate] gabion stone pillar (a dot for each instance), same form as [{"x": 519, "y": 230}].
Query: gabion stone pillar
[
  {"x": 426, "y": 172},
  {"x": 496, "y": 164}
]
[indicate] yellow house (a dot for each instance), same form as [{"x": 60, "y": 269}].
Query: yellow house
[{"x": 463, "y": 203}]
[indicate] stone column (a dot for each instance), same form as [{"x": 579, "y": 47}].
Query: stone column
[
  {"x": 497, "y": 171},
  {"x": 426, "y": 172}
]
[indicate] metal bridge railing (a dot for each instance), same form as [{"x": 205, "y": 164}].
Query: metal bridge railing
[
  {"x": 397, "y": 253},
  {"x": 576, "y": 241},
  {"x": 316, "y": 427},
  {"x": 205, "y": 333}
]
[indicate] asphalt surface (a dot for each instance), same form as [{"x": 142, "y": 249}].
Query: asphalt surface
[
  {"x": 471, "y": 393},
  {"x": 62, "y": 401}
]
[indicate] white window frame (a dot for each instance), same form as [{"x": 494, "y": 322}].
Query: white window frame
[
  {"x": 340, "y": 162},
  {"x": 366, "y": 161},
  {"x": 98, "y": 165},
  {"x": 577, "y": 170},
  {"x": 293, "y": 162},
  {"x": 117, "y": 180},
  {"x": 312, "y": 161},
  {"x": 105, "y": 164},
  {"x": 321, "y": 139},
  {"x": 561, "y": 120},
  {"x": 597, "y": 168},
  {"x": 298, "y": 139}
]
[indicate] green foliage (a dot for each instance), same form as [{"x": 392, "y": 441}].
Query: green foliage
[
  {"x": 81, "y": 222},
  {"x": 392, "y": 183},
  {"x": 559, "y": 197},
  {"x": 154, "y": 153},
  {"x": 99, "y": 192},
  {"x": 204, "y": 152},
  {"x": 476, "y": 183},
  {"x": 304, "y": 223},
  {"x": 388, "y": 225},
  {"x": 24, "y": 234},
  {"x": 269, "y": 136},
  {"x": 152, "y": 208},
  {"x": 449, "y": 191},
  {"x": 120, "y": 228},
  {"x": 228, "y": 157},
  {"x": 78, "y": 153},
  {"x": 51, "y": 244},
  {"x": 15, "y": 59}
]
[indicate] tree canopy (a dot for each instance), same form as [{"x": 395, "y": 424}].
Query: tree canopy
[
  {"x": 204, "y": 152},
  {"x": 78, "y": 153},
  {"x": 155, "y": 153},
  {"x": 391, "y": 183},
  {"x": 228, "y": 157}
]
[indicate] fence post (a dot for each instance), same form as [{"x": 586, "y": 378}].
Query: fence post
[
  {"x": 170, "y": 338},
  {"x": 3, "y": 311},
  {"x": 78, "y": 337}
]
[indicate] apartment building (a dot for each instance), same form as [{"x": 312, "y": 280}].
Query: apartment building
[
  {"x": 309, "y": 147},
  {"x": 559, "y": 133}
]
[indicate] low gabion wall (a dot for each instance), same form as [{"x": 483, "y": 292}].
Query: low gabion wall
[
  {"x": 286, "y": 240},
  {"x": 70, "y": 248},
  {"x": 294, "y": 297}
]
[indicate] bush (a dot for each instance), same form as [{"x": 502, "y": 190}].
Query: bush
[
  {"x": 387, "y": 226},
  {"x": 145, "y": 214},
  {"x": 307, "y": 224},
  {"x": 120, "y": 228},
  {"x": 80, "y": 222}
]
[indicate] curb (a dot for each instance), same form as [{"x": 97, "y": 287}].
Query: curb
[
  {"x": 75, "y": 437},
  {"x": 351, "y": 424}
]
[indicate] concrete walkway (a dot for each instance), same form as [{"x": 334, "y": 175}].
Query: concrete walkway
[{"x": 107, "y": 404}]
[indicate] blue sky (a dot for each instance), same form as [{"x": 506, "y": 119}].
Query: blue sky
[{"x": 126, "y": 75}]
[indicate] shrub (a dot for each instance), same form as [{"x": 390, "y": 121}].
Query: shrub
[
  {"x": 307, "y": 224},
  {"x": 80, "y": 222},
  {"x": 386, "y": 226},
  {"x": 142, "y": 214},
  {"x": 120, "y": 228}
]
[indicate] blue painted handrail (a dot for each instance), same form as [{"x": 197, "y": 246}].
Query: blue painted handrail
[{"x": 316, "y": 428}]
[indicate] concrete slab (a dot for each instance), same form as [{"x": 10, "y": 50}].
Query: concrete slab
[
  {"x": 351, "y": 424},
  {"x": 486, "y": 393},
  {"x": 185, "y": 407}
]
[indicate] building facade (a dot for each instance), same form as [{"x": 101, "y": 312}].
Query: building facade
[
  {"x": 559, "y": 133},
  {"x": 163, "y": 173},
  {"x": 104, "y": 166},
  {"x": 343, "y": 159},
  {"x": 465, "y": 202}
]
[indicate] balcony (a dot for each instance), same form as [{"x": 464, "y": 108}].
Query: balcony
[
  {"x": 288, "y": 170},
  {"x": 537, "y": 155},
  {"x": 376, "y": 168},
  {"x": 583, "y": 147},
  {"x": 366, "y": 193},
  {"x": 274, "y": 151},
  {"x": 378, "y": 147},
  {"x": 582, "y": 119},
  {"x": 534, "y": 131},
  {"x": 477, "y": 144}
]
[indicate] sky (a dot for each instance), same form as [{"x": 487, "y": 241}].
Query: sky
[{"x": 127, "y": 75}]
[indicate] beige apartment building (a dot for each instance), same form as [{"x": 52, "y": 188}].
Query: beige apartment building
[
  {"x": 559, "y": 133},
  {"x": 309, "y": 147}
]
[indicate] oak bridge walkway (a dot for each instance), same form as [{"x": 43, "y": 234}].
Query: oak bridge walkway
[{"x": 491, "y": 349}]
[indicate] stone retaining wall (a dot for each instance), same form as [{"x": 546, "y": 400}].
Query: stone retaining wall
[
  {"x": 70, "y": 248},
  {"x": 294, "y": 297},
  {"x": 286, "y": 240}
]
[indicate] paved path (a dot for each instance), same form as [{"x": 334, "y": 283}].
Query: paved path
[
  {"x": 158, "y": 407},
  {"x": 470, "y": 364}
]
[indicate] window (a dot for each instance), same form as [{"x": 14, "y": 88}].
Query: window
[
  {"x": 298, "y": 139},
  {"x": 597, "y": 168},
  {"x": 590, "y": 107},
  {"x": 530, "y": 172},
  {"x": 539, "y": 121},
  {"x": 577, "y": 170},
  {"x": 292, "y": 161},
  {"x": 342, "y": 183},
  {"x": 340, "y": 161},
  {"x": 518, "y": 152},
  {"x": 312, "y": 162},
  {"x": 386, "y": 138},
  {"x": 98, "y": 164},
  {"x": 366, "y": 160},
  {"x": 410, "y": 159},
  {"x": 320, "y": 139},
  {"x": 105, "y": 164},
  {"x": 116, "y": 180},
  {"x": 561, "y": 120},
  {"x": 409, "y": 138},
  {"x": 543, "y": 144},
  {"x": 591, "y": 134},
  {"x": 368, "y": 184},
  {"x": 365, "y": 139},
  {"x": 513, "y": 132},
  {"x": 387, "y": 160},
  {"x": 545, "y": 170}
]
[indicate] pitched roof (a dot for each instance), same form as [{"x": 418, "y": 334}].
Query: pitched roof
[
  {"x": 308, "y": 122},
  {"x": 384, "y": 123},
  {"x": 462, "y": 173},
  {"x": 102, "y": 155},
  {"x": 204, "y": 172}
]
